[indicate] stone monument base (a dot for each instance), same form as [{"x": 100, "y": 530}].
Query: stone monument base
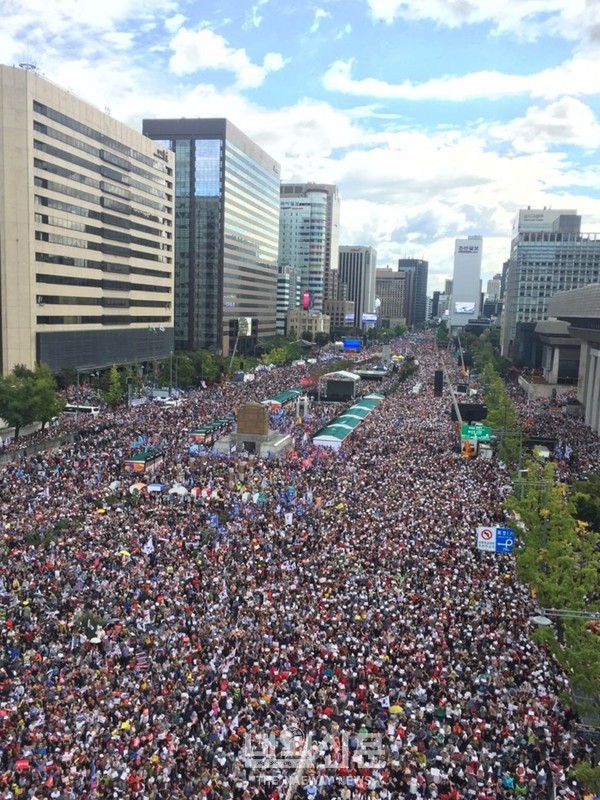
[{"x": 272, "y": 444}]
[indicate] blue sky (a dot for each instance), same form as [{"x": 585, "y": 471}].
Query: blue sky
[{"x": 436, "y": 118}]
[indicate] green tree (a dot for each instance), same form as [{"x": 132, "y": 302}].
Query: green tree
[
  {"x": 47, "y": 402},
  {"x": 560, "y": 560},
  {"x": 184, "y": 372},
  {"x": 321, "y": 339},
  {"x": 17, "y": 402},
  {"x": 586, "y": 497},
  {"x": 307, "y": 336},
  {"x": 113, "y": 394},
  {"x": 442, "y": 335},
  {"x": 278, "y": 355},
  {"x": 207, "y": 366},
  {"x": 67, "y": 377}
]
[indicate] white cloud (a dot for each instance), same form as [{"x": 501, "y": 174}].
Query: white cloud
[
  {"x": 121, "y": 40},
  {"x": 576, "y": 76},
  {"x": 196, "y": 51},
  {"x": 254, "y": 18},
  {"x": 320, "y": 14},
  {"x": 565, "y": 121},
  {"x": 527, "y": 19},
  {"x": 345, "y": 31},
  {"x": 172, "y": 24}
]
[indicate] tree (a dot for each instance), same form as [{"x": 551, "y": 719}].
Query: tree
[
  {"x": 67, "y": 377},
  {"x": 307, "y": 336},
  {"x": 587, "y": 500},
  {"x": 47, "y": 403},
  {"x": 278, "y": 355},
  {"x": 17, "y": 402},
  {"x": 113, "y": 394},
  {"x": 321, "y": 339},
  {"x": 442, "y": 336},
  {"x": 560, "y": 560}
]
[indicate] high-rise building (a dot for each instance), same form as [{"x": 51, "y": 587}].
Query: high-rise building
[
  {"x": 336, "y": 305},
  {"x": 391, "y": 289},
  {"x": 417, "y": 312},
  {"x": 309, "y": 239},
  {"x": 227, "y": 233},
  {"x": 549, "y": 254},
  {"x": 86, "y": 233},
  {"x": 357, "y": 271},
  {"x": 494, "y": 288},
  {"x": 289, "y": 294},
  {"x": 466, "y": 281}
]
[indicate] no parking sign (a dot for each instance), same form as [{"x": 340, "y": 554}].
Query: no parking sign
[{"x": 494, "y": 539}]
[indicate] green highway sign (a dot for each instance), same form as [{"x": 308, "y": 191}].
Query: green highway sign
[{"x": 480, "y": 432}]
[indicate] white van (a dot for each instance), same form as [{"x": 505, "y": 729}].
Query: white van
[{"x": 84, "y": 410}]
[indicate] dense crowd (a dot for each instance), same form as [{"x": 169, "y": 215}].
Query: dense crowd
[{"x": 317, "y": 626}]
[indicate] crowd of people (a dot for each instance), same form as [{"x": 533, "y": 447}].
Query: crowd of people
[{"x": 319, "y": 625}]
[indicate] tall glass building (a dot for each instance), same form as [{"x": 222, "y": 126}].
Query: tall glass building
[{"x": 226, "y": 234}]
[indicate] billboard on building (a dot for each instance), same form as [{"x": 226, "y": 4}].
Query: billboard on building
[
  {"x": 369, "y": 319},
  {"x": 308, "y": 300},
  {"x": 464, "y": 307},
  {"x": 466, "y": 280},
  {"x": 244, "y": 326}
]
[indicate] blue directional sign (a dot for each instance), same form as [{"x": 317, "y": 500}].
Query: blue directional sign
[{"x": 505, "y": 540}]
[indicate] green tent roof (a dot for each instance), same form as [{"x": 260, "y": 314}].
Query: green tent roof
[{"x": 284, "y": 397}]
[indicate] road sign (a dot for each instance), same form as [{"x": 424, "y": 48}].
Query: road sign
[
  {"x": 505, "y": 540},
  {"x": 486, "y": 539},
  {"x": 494, "y": 539},
  {"x": 481, "y": 432}
]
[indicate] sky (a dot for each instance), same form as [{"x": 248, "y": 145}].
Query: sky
[{"x": 437, "y": 119}]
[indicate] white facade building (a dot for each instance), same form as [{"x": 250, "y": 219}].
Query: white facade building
[{"x": 466, "y": 281}]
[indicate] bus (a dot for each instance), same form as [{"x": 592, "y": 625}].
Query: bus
[{"x": 79, "y": 409}]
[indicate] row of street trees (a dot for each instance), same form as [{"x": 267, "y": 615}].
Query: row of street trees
[{"x": 559, "y": 526}]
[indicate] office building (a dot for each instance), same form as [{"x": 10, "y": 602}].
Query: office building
[
  {"x": 336, "y": 305},
  {"x": 549, "y": 254},
  {"x": 494, "y": 288},
  {"x": 466, "y": 281},
  {"x": 305, "y": 236},
  {"x": 580, "y": 309},
  {"x": 391, "y": 289},
  {"x": 86, "y": 233},
  {"x": 309, "y": 236},
  {"x": 357, "y": 269},
  {"x": 301, "y": 322},
  {"x": 289, "y": 295},
  {"x": 227, "y": 234},
  {"x": 417, "y": 308}
]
